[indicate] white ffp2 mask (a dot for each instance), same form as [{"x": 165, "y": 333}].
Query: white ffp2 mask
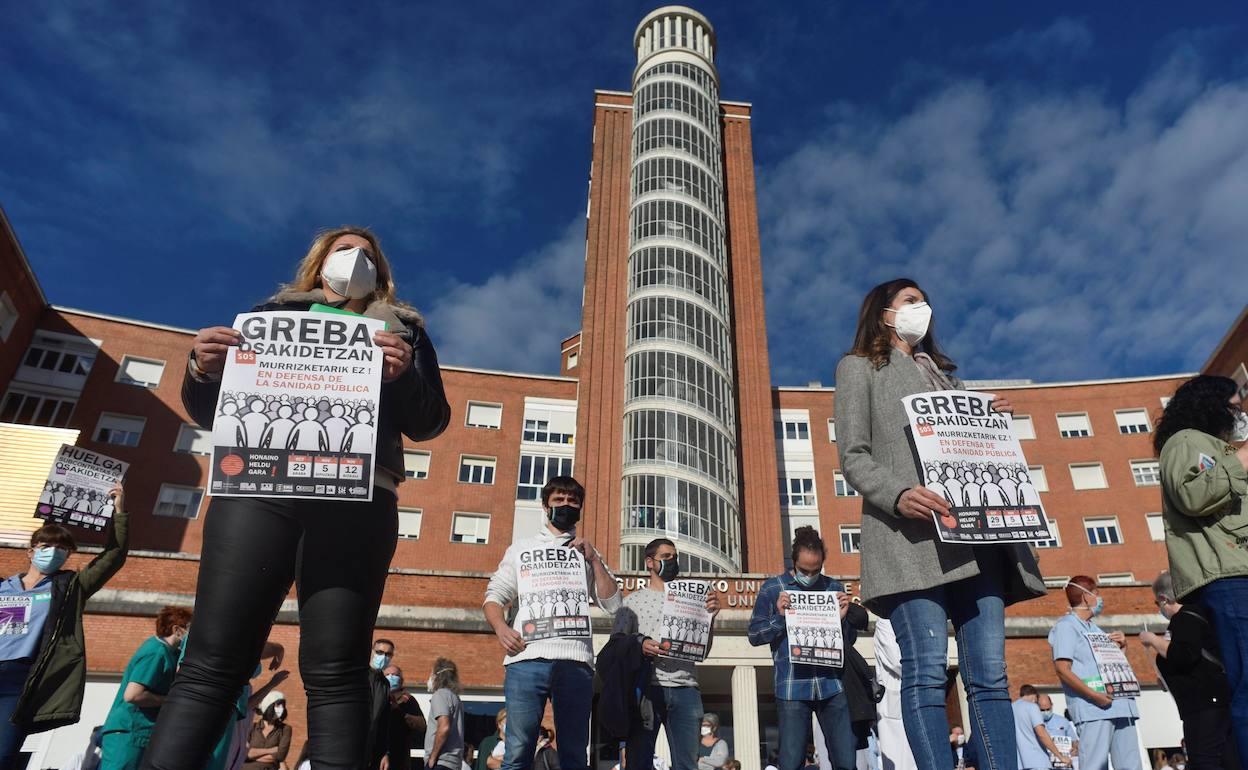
[
  {"x": 912, "y": 322},
  {"x": 350, "y": 273}
]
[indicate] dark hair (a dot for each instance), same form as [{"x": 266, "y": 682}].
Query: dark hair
[
  {"x": 653, "y": 546},
  {"x": 446, "y": 675},
  {"x": 383, "y": 640},
  {"x": 1074, "y": 596},
  {"x": 565, "y": 484},
  {"x": 1027, "y": 691},
  {"x": 1200, "y": 404},
  {"x": 54, "y": 535},
  {"x": 874, "y": 340},
  {"x": 170, "y": 618},
  {"x": 807, "y": 539}
]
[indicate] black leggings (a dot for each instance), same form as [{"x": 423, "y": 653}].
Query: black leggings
[{"x": 338, "y": 554}]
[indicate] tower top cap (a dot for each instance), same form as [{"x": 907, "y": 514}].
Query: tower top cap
[{"x": 682, "y": 11}]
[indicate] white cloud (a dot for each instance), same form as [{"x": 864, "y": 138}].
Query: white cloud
[
  {"x": 515, "y": 319},
  {"x": 1061, "y": 235},
  {"x": 1065, "y": 38}
]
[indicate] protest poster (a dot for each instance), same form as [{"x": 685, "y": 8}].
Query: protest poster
[
  {"x": 554, "y": 594},
  {"x": 77, "y": 490},
  {"x": 969, "y": 454},
  {"x": 15, "y": 614},
  {"x": 1065, "y": 744},
  {"x": 685, "y": 632},
  {"x": 813, "y": 624},
  {"x": 297, "y": 411},
  {"x": 1117, "y": 679}
]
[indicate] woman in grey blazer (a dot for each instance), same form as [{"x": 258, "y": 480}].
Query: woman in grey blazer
[{"x": 908, "y": 575}]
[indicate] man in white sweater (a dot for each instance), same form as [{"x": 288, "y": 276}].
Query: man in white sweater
[{"x": 549, "y": 657}]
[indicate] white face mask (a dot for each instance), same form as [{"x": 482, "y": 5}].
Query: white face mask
[
  {"x": 350, "y": 273},
  {"x": 1239, "y": 433},
  {"x": 706, "y": 730},
  {"x": 912, "y": 322},
  {"x": 279, "y": 712},
  {"x": 429, "y": 683}
]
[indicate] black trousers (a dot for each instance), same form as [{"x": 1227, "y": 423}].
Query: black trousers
[
  {"x": 337, "y": 554},
  {"x": 1210, "y": 740}
]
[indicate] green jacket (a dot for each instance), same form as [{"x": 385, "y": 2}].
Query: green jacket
[
  {"x": 53, "y": 693},
  {"x": 1203, "y": 486}
]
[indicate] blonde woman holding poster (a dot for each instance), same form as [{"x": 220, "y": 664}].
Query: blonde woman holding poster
[
  {"x": 908, "y": 575},
  {"x": 337, "y": 552}
]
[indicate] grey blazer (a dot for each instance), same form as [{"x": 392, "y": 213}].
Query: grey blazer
[{"x": 901, "y": 554}]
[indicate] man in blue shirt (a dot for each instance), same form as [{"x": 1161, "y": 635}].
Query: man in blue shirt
[
  {"x": 1060, "y": 729},
  {"x": 804, "y": 689},
  {"x": 1034, "y": 743},
  {"x": 1106, "y": 724}
]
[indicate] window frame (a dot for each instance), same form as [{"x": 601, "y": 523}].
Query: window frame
[
  {"x": 1056, "y": 540},
  {"x": 456, "y": 515},
  {"x": 1075, "y": 485},
  {"x": 1155, "y": 472},
  {"x": 1044, "y": 474},
  {"x": 428, "y": 464},
  {"x": 1086, "y": 417},
  {"x": 99, "y": 425},
  {"x": 468, "y": 415},
  {"x": 1160, "y": 519},
  {"x": 851, "y": 530},
  {"x": 1088, "y": 526},
  {"x": 198, "y": 505},
  {"x": 1147, "y": 424},
  {"x": 1031, "y": 423},
  {"x": 121, "y": 368},
  {"x": 839, "y": 483},
  {"x": 484, "y": 461},
  {"x": 178, "y": 440},
  {"x": 831, "y": 430},
  {"x": 420, "y": 514}
]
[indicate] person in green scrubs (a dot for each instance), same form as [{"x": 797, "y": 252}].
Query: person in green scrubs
[{"x": 147, "y": 679}]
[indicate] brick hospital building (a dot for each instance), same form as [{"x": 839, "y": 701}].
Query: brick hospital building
[{"x": 663, "y": 407}]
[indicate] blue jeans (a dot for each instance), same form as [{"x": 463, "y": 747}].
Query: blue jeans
[
  {"x": 833, "y": 717},
  {"x": 569, "y": 686},
  {"x": 977, "y": 609},
  {"x": 679, "y": 709},
  {"x": 1227, "y": 602},
  {"x": 13, "y": 675}
]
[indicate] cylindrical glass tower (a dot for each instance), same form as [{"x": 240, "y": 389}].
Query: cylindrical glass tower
[{"x": 680, "y": 433}]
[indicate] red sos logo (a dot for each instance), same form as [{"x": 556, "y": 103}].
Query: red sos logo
[
  {"x": 925, "y": 429},
  {"x": 244, "y": 355}
]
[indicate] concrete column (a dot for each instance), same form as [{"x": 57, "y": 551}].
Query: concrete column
[
  {"x": 745, "y": 717},
  {"x": 689, "y": 33}
]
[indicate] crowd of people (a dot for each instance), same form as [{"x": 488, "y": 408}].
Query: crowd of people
[{"x": 185, "y": 699}]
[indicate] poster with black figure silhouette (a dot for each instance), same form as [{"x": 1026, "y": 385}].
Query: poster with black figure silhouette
[
  {"x": 813, "y": 625},
  {"x": 1116, "y": 677},
  {"x": 969, "y": 454},
  {"x": 553, "y": 594},
  {"x": 297, "y": 411},
  {"x": 685, "y": 629},
  {"x": 76, "y": 492}
]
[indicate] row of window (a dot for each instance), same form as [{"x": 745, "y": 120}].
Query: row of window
[
  {"x": 465, "y": 527},
  {"x": 1100, "y": 530},
  {"x": 667, "y": 374},
  {"x": 678, "y": 439},
  {"x": 535, "y": 470},
  {"x": 676, "y": 506},
  {"x": 633, "y": 559},
  {"x": 697, "y": 75},
  {"x": 677, "y": 134},
  {"x": 683, "y": 269},
  {"x": 799, "y": 490},
  {"x": 672, "y": 95},
  {"x": 678, "y": 175},
  {"x": 669, "y": 318},
  {"x": 674, "y": 219},
  {"x": 1069, "y": 425},
  {"x": 127, "y": 430}
]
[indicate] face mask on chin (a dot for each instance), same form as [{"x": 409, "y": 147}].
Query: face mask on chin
[{"x": 350, "y": 273}]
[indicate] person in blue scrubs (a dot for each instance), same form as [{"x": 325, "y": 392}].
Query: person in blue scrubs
[{"x": 1106, "y": 724}]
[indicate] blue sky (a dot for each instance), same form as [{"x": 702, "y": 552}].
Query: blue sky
[{"x": 1069, "y": 181}]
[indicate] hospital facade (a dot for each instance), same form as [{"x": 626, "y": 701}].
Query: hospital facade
[{"x": 663, "y": 407}]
